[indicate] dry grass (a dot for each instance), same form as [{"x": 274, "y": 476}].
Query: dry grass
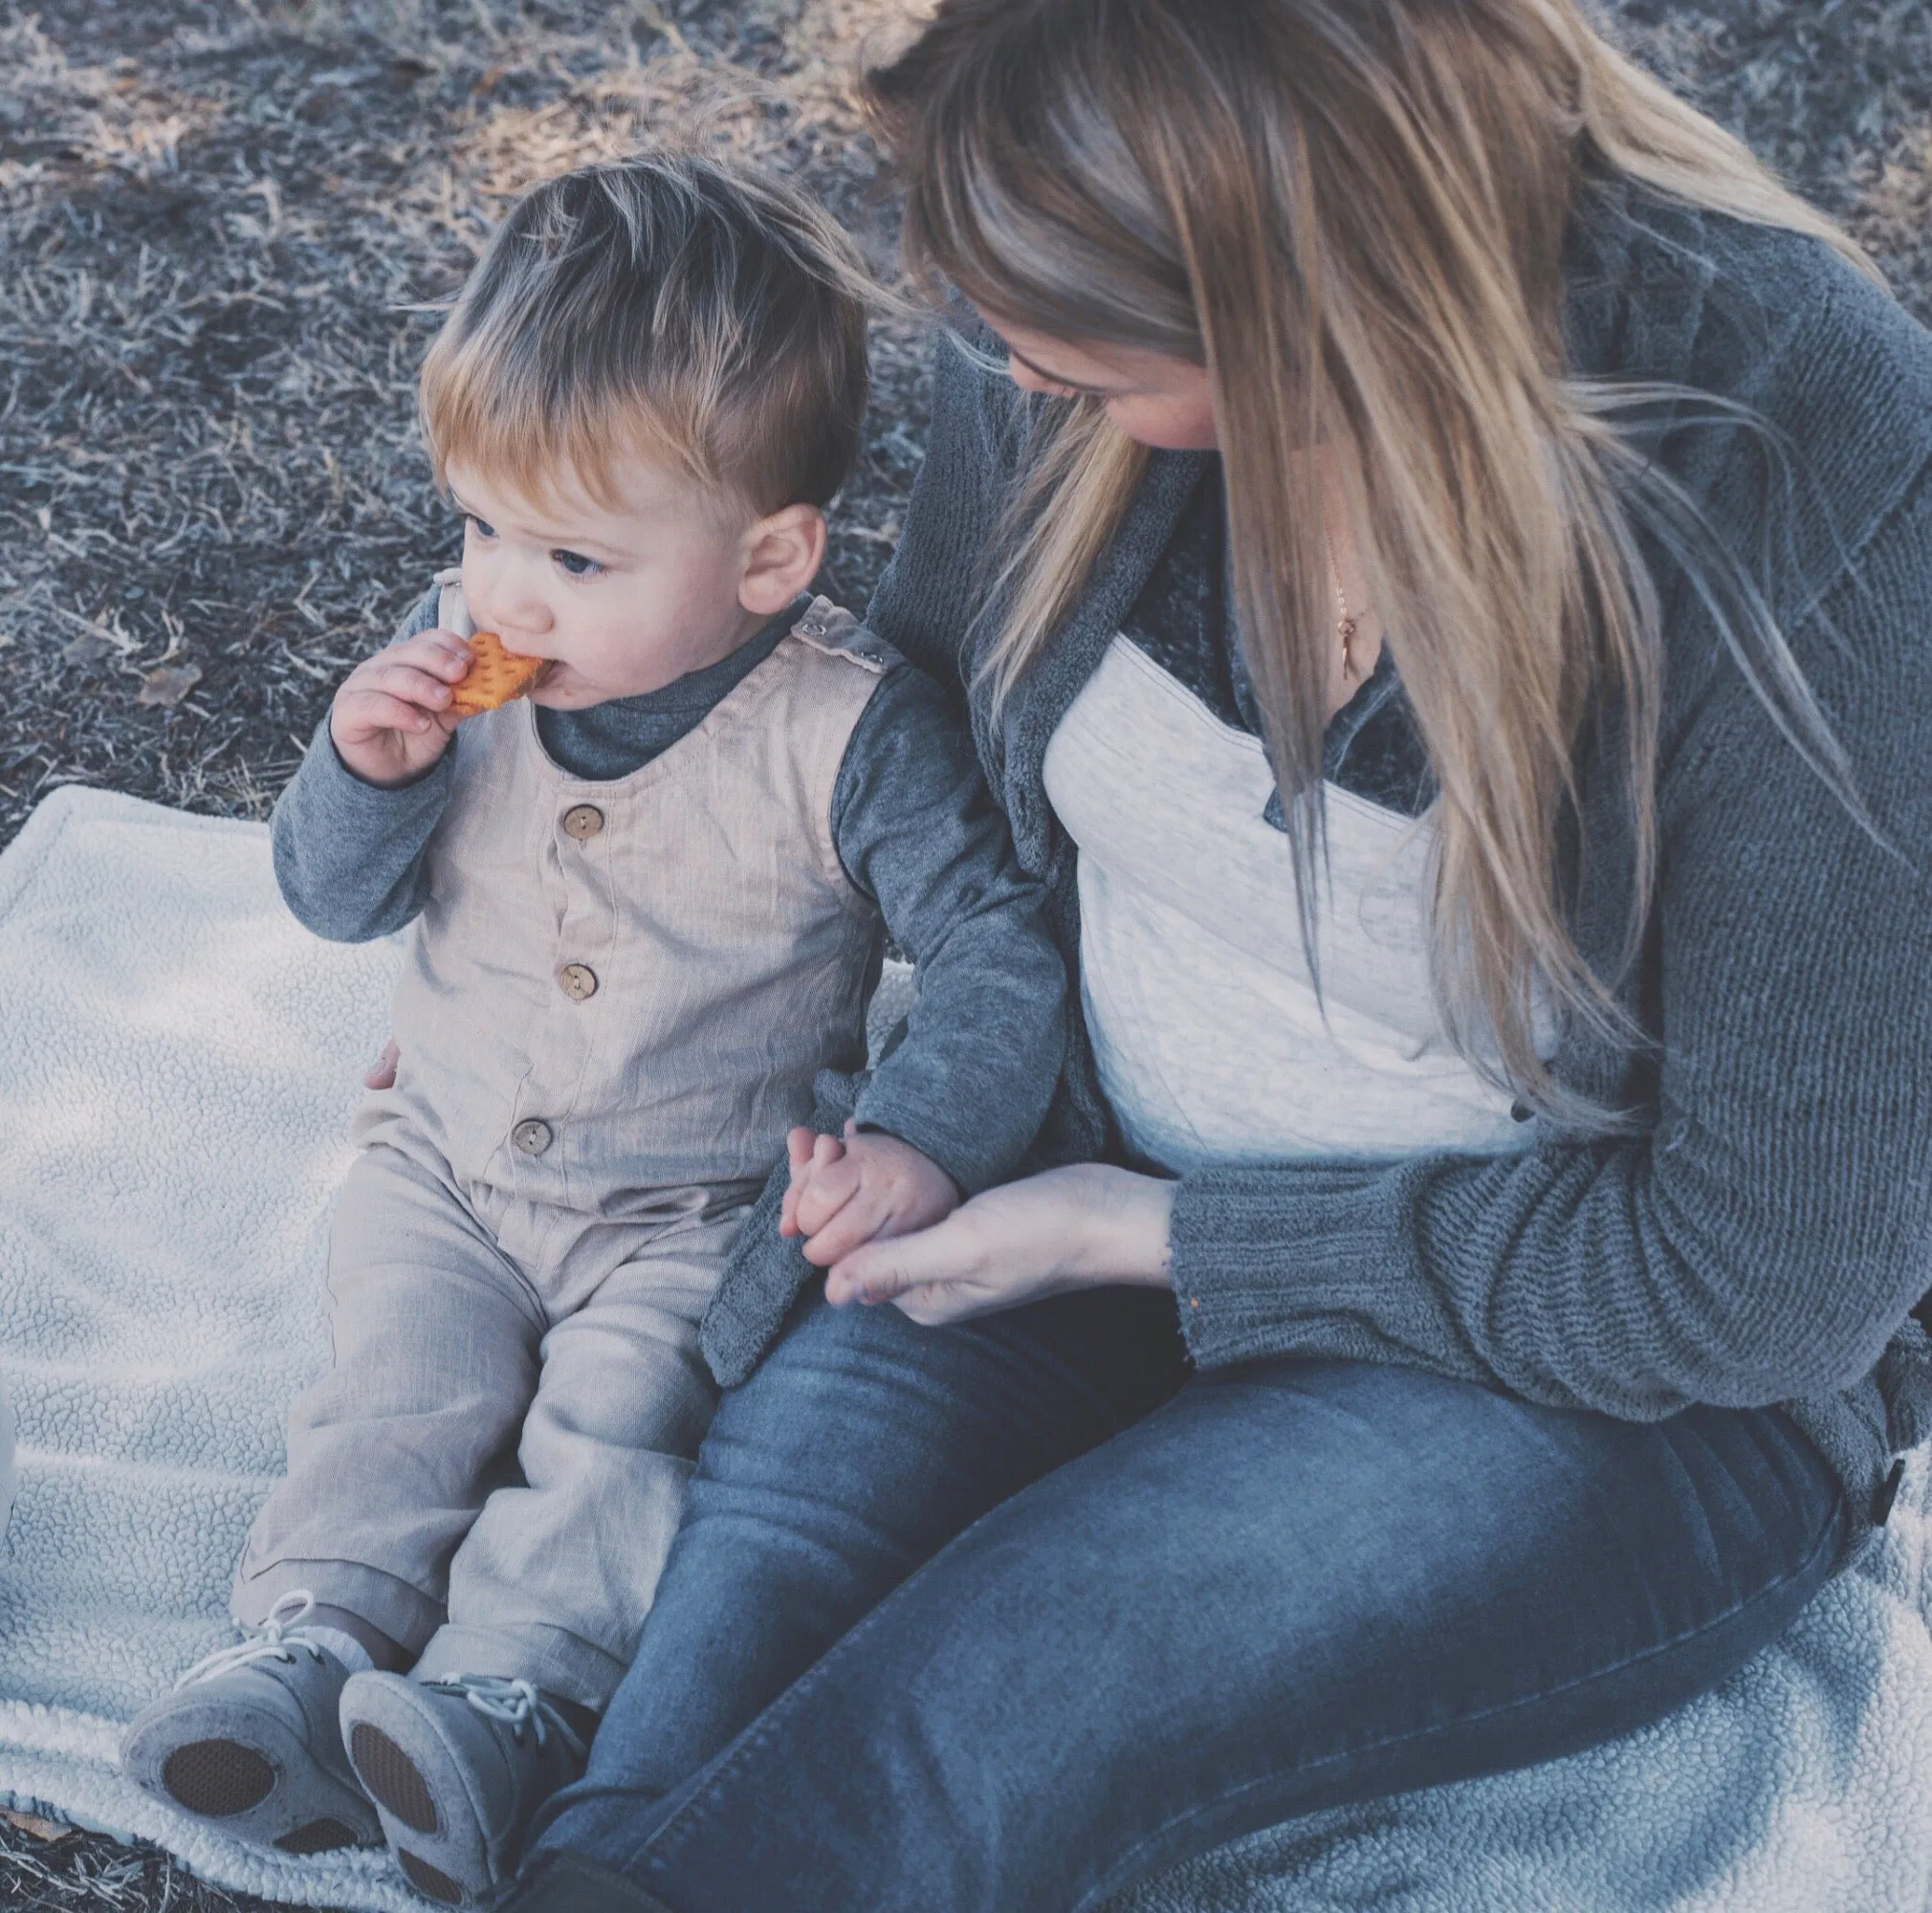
[
  {"x": 214, "y": 215},
  {"x": 212, "y": 220},
  {"x": 81, "y": 1872}
]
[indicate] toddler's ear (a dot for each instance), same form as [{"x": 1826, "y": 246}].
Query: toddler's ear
[{"x": 782, "y": 556}]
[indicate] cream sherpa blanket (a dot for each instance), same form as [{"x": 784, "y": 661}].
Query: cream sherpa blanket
[{"x": 178, "y": 1061}]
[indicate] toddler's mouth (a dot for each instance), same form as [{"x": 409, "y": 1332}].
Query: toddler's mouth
[{"x": 547, "y": 668}]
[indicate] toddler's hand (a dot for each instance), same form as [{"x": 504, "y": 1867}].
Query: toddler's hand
[
  {"x": 860, "y": 1188},
  {"x": 391, "y": 718}
]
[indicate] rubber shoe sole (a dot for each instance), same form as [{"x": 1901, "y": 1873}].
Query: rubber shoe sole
[
  {"x": 423, "y": 1793},
  {"x": 427, "y": 1882},
  {"x": 255, "y": 1779},
  {"x": 217, "y": 1778},
  {"x": 390, "y": 1775}
]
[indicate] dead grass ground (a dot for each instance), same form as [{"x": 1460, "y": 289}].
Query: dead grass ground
[{"x": 214, "y": 216}]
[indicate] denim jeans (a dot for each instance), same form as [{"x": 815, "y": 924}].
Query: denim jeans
[{"x": 960, "y": 1618}]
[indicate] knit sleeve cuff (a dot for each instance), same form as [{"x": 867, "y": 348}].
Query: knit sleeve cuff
[{"x": 1267, "y": 1254}]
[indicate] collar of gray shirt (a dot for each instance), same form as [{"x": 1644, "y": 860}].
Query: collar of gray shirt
[{"x": 610, "y": 741}]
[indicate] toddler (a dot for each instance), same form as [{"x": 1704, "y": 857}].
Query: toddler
[{"x": 646, "y": 905}]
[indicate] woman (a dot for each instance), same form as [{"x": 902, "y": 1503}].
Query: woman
[{"x": 1507, "y": 1038}]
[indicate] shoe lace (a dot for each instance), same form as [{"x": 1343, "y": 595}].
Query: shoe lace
[
  {"x": 519, "y": 1704},
  {"x": 272, "y": 1641}
]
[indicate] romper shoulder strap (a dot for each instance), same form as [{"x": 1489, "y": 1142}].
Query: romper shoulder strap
[{"x": 832, "y": 629}]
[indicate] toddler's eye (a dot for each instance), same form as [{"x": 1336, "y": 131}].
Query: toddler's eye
[
  {"x": 577, "y": 565},
  {"x": 485, "y": 532}
]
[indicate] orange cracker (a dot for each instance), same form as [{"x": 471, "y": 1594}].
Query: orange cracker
[{"x": 496, "y": 676}]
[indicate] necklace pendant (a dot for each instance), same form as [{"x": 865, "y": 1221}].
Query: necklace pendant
[{"x": 1346, "y": 632}]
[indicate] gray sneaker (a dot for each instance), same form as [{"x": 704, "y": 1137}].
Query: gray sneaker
[
  {"x": 249, "y": 1740},
  {"x": 456, "y": 1768}
]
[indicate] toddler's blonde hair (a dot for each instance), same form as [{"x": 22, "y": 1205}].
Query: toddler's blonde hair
[{"x": 670, "y": 307}]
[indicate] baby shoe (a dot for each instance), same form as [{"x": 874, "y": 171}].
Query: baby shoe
[
  {"x": 457, "y": 1769},
  {"x": 249, "y": 1740}
]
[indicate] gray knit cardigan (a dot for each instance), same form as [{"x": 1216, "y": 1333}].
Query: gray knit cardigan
[{"x": 1763, "y": 1234}]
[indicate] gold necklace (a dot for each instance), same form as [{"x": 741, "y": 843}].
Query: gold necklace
[{"x": 1348, "y": 624}]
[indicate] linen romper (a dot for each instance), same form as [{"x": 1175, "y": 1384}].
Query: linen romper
[{"x": 611, "y": 1010}]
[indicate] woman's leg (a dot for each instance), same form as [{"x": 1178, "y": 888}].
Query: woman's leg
[
  {"x": 859, "y": 1447},
  {"x": 1296, "y": 1584}
]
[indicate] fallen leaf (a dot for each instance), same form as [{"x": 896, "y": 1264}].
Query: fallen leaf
[
  {"x": 48, "y": 1831},
  {"x": 168, "y": 684},
  {"x": 90, "y": 648}
]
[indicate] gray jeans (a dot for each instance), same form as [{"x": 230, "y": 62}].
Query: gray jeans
[{"x": 494, "y": 1465}]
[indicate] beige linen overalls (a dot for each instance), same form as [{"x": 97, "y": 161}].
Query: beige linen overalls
[{"x": 610, "y": 1012}]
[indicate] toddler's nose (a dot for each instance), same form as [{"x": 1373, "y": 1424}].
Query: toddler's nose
[
  {"x": 522, "y": 631},
  {"x": 515, "y": 609}
]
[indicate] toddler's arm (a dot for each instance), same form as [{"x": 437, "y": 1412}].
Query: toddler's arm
[
  {"x": 349, "y": 850},
  {"x": 964, "y": 1092}
]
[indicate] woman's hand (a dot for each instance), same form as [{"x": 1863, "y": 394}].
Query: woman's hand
[{"x": 1082, "y": 1227}]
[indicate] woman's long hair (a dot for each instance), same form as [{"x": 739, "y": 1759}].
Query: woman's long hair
[{"x": 1353, "y": 212}]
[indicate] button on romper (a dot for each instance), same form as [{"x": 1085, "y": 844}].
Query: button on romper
[{"x": 610, "y": 1012}]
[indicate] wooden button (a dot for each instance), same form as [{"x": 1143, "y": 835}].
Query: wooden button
[
  {"x": 579, "y": 982},
  {"x": 581, "y": 820},
  {"x": 533, "y": 1136}
]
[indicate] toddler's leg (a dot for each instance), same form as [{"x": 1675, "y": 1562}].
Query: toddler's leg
[
  {"x": 434, "y": 1337},
  {"x": 434, "y": 1341},
  {"x": 554, "y": 1577},
  {"x": 550, "y": 1586}
]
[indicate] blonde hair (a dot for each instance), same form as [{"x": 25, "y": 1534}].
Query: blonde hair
[
  {"x": 1353, "y": 212},
  {"x": 672, "y": 307}
]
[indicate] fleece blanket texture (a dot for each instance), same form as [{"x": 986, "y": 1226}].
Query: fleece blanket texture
[{"x": 178, "y": 1062}]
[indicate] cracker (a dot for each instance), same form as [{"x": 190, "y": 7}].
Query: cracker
[{"x": 496, "y": 676}]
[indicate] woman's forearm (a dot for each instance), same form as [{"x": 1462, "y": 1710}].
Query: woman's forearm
[{"x": 1130, "y": 1238}]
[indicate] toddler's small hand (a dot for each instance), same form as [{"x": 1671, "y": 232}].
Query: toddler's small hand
[
  {"x": 391, "y": 718},
  {"x": 860, "y": 1188},
  {"x": 806, "y": 1149}
]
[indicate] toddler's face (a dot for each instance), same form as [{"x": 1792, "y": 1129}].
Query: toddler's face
[{"x": 621, "y": 598}]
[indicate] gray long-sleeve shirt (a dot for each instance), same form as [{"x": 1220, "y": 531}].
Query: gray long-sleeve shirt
[{"x": 916, "y": 831}]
